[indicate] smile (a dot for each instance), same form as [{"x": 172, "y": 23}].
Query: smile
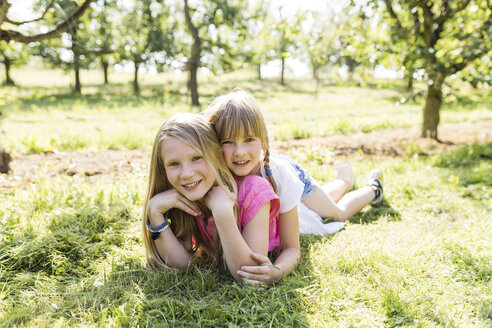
[
  {"x": 241, "y": 163},
  {"x": 192, "y": 185}
]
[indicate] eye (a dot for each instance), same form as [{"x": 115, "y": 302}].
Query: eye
[
  {"x": 250, "y": 139},
  {"x": 226, "y": 142},
  {"x": 196, "y": 158},
  {"x": 171, "y": 164}
]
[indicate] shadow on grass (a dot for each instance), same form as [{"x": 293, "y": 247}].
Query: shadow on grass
[
  {"x": 374, "y": 213},
  {"x": 115, "y": 96}
]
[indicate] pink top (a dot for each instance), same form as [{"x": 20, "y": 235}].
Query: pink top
[{"x": 253, "y": 193}]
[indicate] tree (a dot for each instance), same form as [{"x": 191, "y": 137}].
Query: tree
[
  {"x": 286, "y": 32},
  {"x": 70, "y": 51},
  {"x": 206, "y": 24},
  {"x": 145, "y": 35},
  {"x": 319, "y": 43},
  {"x": 258, "y": 39},
  {"x": 449, "y": 37},
  {"x": 12, "y": 54},
  {"x": 102, "y": 31},
  {"x": 61, "y": 25}
]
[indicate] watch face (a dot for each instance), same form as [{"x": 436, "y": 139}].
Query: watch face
[{"x": 155, "y": 235}]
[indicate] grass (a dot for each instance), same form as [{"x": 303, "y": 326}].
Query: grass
[
  {"x": 45, "y": 119},
  {"x": 73, "y": 257},
  {"x": 71, "y": 251}
]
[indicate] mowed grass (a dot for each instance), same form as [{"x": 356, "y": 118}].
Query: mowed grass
[
  {"x": 49, "y": 118},
  {"x": 71, "y": 250},
  {"x": 71, "y": 255}
]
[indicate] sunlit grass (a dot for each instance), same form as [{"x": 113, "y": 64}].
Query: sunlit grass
[
  {"x": 50, "y": 118},
  {"x": 71, "y": 255}
]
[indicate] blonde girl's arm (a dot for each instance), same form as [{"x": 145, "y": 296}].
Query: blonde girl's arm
[
  {"x": 237, "y": 247},
  {"x": 264, "y": 272},
  {"x": 171, "y": 250}
]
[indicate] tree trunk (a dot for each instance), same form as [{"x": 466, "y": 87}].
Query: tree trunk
[
  {"x": 258, "y": 70},
  {"x": 351, "y": 69},
  {"x": 282, "y": 82},
  {"x": 194, "y": 61},
  {"x": 193, "y": 85},
  {"x": 5, "y": 159},
  {"x": 316, "y": 79},
  {"x": 105, "y": 66},
  {"x": 136, "y": 87},
  {"x": 76, "y": 59},
  {"x": 8, "y": 79},
  {"x": 432, "y": 106},
  {"x": 78, "y": 86}
]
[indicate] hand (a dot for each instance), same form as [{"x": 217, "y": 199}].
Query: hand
[
  {"x": 263, "y": 274},
  {"x": 166, "y": 200},
  {"x": 218, "y": 200}
]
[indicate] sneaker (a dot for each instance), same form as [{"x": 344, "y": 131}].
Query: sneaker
[
  {"x": 375, "y": 181},
  {"x": 345, "y": 172}
]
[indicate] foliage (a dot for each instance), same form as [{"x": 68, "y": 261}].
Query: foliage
[
  {"x": 447, "y": 36},
  {"x": 12, "y": 55},
  {"x": 145, "y": 35}
]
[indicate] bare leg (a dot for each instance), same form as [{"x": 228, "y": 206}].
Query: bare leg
[
  {"x": 336, "y": 189},
  {"x": 352, "y": 203},
  {"x": 343, "y": 183}
]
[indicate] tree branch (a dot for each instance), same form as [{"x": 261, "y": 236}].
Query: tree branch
[
  {"x": 449, "y": 12},
  {"x": 9, "y": 35},
  {"x": 393, "y": 14},
  {"x": 31, "y": 21}
]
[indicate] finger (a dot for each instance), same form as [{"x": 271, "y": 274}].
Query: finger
[
  {"x": 192, "y": 205},
  {"x": 260, "y": 258},
  {"x": 257, "y": 269},
  {"x": 184, "y": 207}
]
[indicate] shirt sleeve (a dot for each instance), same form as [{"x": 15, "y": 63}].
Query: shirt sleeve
[
  {"x": 254, "y": 192},
  {"x": 290, "y": 187}
]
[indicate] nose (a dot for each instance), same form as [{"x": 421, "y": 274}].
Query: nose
[
  {"x": 239, "y": 149},
  {"x": 186, "y": 171}
]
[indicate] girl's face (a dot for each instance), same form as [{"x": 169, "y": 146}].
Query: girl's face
[
  {"x": 186, "y": 169},
  {"x": 242, "y": 155}
]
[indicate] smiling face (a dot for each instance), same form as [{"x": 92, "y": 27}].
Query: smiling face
[
  {"x": 242, "y": 154},
  {"x": 186, "y": 169}
]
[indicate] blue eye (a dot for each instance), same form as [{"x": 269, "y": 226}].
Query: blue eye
[
  {"x": 196, "y": 158},
  {"x": 226, "y": 142},
  {"x": 250, "y": 139},
  {"x": 173, "y": 164}
]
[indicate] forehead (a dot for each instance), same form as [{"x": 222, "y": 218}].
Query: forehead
[
  {"x": 173, "y": 149},
  {"x": 238, "y": 131}
]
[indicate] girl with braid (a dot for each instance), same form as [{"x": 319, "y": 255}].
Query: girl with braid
[{"x": 241, "y": 129}]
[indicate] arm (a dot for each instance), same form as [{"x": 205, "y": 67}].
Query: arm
[
  {"x": 172, "y": 251},
  {"x": 237, "y": 246},
  {"x": 264, "y": 272}
]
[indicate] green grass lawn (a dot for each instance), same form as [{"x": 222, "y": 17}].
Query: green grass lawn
[
  {"x": 71, "y": 251},
  {"x": 41, "y": 119}
]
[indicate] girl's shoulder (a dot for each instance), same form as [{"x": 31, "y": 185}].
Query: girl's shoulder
[{"x": 252, "y": 182}]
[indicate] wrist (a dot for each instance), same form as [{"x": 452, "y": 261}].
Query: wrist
[
  {"x": 222, "y": 213},
  {"x": 156, "y": 230}
]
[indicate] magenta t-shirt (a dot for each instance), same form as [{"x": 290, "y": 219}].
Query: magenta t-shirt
[{"x": 253, "y": 193}]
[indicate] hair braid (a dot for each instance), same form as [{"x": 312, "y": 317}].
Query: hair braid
[{"x": 267, "y": 166}]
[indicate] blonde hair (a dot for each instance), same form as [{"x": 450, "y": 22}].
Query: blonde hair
[
  {"x": 238, "y": 112},
  {"x": 196, "y": 132}
]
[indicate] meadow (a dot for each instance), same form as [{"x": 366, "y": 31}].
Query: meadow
[{"x": 70, "y": 245}]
